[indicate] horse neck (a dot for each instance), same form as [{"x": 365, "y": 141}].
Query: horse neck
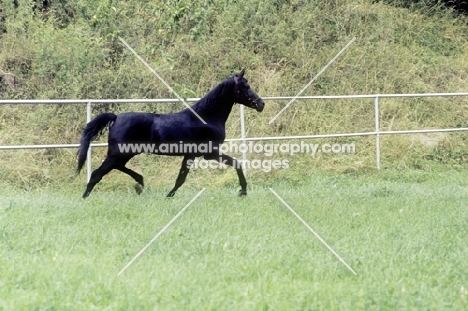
[{"x": 217, "y": 104}]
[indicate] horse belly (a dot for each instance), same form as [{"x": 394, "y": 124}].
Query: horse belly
[{"x": 178, "y": 141}]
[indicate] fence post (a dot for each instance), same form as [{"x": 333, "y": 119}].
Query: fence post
[
  {"x": 377, "y": 132},
  {"x": 88, "y": 119},
  {"x": 244, "y": 151}
]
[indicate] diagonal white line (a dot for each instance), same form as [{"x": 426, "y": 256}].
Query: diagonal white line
[
  {"x": 160, "y": 232},
  {"x": 315, "y": 233},
  {"x": 313, "y": 79},
  {"x": 161, "y": 79}
]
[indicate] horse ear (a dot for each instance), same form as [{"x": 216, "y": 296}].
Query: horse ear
[{"x": 238, "y": 76}]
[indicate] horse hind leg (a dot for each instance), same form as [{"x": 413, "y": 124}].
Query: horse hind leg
[
  {"x": 140, "y": 185},
  {"x": 108, "y": 165}
]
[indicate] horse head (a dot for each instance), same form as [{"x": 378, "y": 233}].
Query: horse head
[{"x": 245, "y": 95}]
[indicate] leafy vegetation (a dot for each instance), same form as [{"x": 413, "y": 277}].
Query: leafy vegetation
[{"x": 71, "y": 50}]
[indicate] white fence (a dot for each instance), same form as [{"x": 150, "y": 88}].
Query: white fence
[{"x": 377, "y": 132}]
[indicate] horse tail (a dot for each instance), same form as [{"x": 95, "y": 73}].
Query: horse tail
[{"x": 93, "y": 130}]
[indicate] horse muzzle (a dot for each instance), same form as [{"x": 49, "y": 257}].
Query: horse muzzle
[{"x": 258, "y": 104}]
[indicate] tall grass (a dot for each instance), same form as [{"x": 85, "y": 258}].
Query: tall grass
[{"x": 283, "y": 44}]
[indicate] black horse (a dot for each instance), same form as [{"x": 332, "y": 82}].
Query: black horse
[{"x": 178, "y": 134}]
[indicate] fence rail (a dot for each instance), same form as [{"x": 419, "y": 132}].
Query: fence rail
[{"x": 377, "y": 132}]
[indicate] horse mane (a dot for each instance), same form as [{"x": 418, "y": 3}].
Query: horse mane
[{"x": 222, "y": 90}]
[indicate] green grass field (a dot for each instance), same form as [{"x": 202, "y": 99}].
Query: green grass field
[{"x": 404, "y": 233}]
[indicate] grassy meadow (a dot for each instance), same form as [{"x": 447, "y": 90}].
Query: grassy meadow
[{"x": 403, "y": 233}]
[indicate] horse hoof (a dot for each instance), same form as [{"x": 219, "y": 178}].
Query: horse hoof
[
  {"x": 242, "y": 193},
  {"x": 139, "y": 188}
]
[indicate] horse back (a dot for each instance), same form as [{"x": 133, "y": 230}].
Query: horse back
[{"x": 131, "y": 127}]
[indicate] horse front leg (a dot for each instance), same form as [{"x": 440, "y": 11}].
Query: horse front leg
[
  {"x": 225, "y": 159},
  {"x": 183, "y": 172}
]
